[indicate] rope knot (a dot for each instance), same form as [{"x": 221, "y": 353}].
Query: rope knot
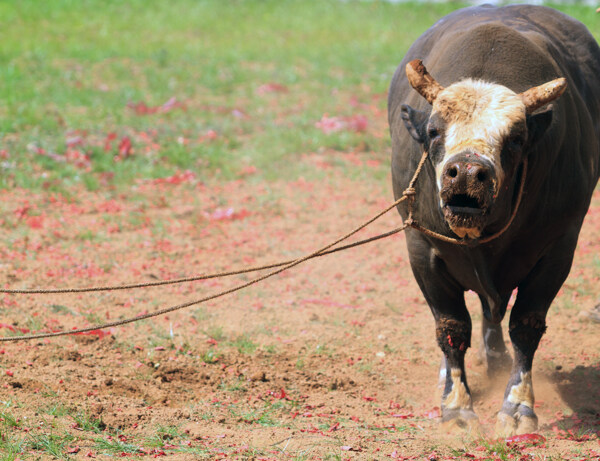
[{"x": 409, "y": 192}]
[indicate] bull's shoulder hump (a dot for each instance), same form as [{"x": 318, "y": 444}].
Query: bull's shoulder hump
[
  {"x": 520, "y": 17},
  {"x": 528, "y": 41}
]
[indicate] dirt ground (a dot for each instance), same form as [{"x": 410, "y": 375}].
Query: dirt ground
[{"x": 335, "y": 359}]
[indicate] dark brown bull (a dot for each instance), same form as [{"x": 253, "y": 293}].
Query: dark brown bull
[{"x": 484, "y": 114}]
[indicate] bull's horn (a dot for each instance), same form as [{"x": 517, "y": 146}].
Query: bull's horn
[
  {"x": 420, "y": 80},
  {"x": 539, "y": 96}
]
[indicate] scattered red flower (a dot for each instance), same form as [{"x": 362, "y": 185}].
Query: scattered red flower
[
  {"x": 271, "y": 88},
  {"x": 125, "y": 149}
]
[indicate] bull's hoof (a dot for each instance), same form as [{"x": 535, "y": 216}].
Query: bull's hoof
[
  {"x": 459, "y": 421},
  {"x": 507, "y": 425}
]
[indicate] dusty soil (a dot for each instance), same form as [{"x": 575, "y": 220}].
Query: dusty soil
[{"x": 335, "y": 359}]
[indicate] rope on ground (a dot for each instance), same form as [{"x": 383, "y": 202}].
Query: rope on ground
[{"x": 409, "y": 193}]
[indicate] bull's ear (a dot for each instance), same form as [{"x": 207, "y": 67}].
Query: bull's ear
[
  {"x": 415, "y": 122},
  {"x": 537, "y": 125}
]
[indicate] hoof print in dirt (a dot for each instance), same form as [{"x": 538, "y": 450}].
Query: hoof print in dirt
[
  {"x": 341, "y": 383},
  {"x": 259, "y": 376}
]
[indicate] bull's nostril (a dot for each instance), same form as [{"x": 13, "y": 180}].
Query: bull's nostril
[
  {"x": 481, "y": 176},
  {"x": 453, "y": 172}
]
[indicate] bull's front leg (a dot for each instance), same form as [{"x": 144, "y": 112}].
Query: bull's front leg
[
  {"x": 517, "y": 415},
  {"x": 445, "y": 298},
  {"x": 454, "y": 337},
  {"x": 526, "y": 328}
]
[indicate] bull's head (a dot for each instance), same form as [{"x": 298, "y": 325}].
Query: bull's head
[{"x": 476, "y": 134}]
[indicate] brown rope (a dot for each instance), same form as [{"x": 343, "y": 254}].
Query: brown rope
[
  {"x": 230, "y": 290},
  {"x": 409, "y": 193},
  {"x": 190, "y": 303}
]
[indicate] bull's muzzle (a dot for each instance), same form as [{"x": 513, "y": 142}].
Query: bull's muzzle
[{"x": 468, "y": 185}]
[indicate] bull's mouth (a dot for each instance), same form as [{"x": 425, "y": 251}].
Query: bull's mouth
[
  {"x": 464, "y": 204},
  {"x": 465, "y": 215}
]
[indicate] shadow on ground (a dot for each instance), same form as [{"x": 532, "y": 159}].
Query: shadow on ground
[{"x": 580, "y": 390}]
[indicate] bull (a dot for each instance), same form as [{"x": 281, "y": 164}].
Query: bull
[{"x": 503, "y": 87}]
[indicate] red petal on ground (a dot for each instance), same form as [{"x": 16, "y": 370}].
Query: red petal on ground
[
  {"x": 247, "y": 170},
  {"x": 110, "y": 206},
  {"x": 357, "y": 123},
  {"x": 433, "y": 413},
  {"x": 100, "y": 333},
  {"x": 221, "y": 214},
  {"x": 335, "y": 427},
  {"x": 178, "y": 178},
  {"x": 279, "y": 395},
  {"x": 271, "y": 88},
  {"x": 330, "y": 124},
  {"x": 530, "y": 439},
  {"x": 125, "y": 147}
]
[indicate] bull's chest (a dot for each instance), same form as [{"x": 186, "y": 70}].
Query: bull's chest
[{"x": 476, "y": 270}]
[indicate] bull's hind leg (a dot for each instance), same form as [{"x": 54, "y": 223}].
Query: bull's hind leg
[
  {"x": 496, "y": 354},
  {"x": 526, "y": 327},
  {"x": 494, "y": 350}
]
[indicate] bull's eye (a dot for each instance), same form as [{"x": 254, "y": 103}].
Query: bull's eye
[
  {"x": 433, "y": 133},
  {"x": 515, "y": 142}
]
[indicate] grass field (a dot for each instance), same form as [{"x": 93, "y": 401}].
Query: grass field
[
  {"x": 109, "y": 92},
  {"x": 150, "y": 139},
  {"x": 246, "y": 81}
]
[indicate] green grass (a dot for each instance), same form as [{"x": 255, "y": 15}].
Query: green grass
[
  {"x": 244, "y": 344},
  {"x": 112, "y": 445},
  {"x": 50, "y": 444},
  {"x": 210, "y": 356},
  {"x": 67, "y": 74},
  {"x": 87, "y": 422},
  {"x": 69, "y": 77}
]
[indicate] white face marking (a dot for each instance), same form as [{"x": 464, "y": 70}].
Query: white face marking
[
  {"x": 478, "y": 115},
  {"x": 522, "y": 393},
  {"x": 458, "y": 398}
]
